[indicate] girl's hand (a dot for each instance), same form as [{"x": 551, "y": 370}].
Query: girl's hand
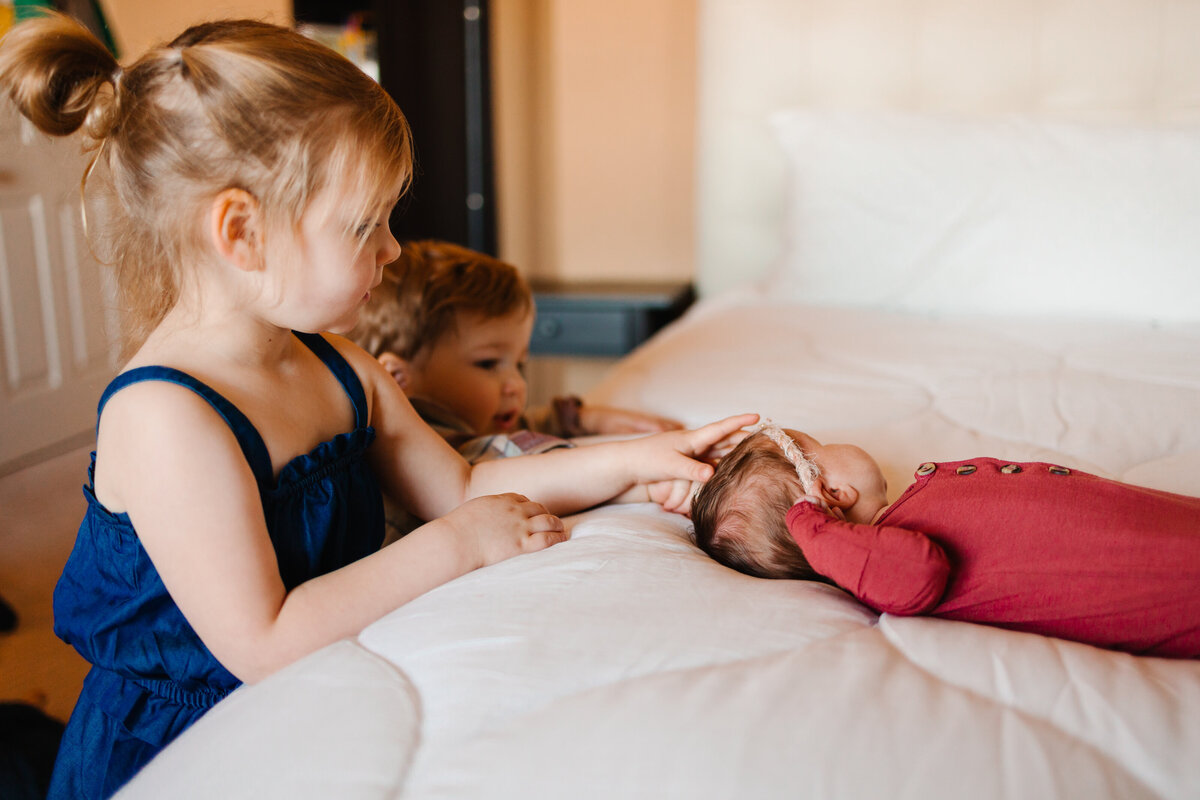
[
  {"x": 674, "y": 495},
  {"x": 675, "y": 454},
  {"x": 499, "y": 526},
  {"x": 603, "y": 420}
]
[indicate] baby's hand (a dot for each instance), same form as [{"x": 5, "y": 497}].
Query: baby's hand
[
  {"x": 603, "y": 420},
  {"x": 674, "y": 495},
  {"x": 499, "y": 526},
  {"x": 832, "y": 511}
]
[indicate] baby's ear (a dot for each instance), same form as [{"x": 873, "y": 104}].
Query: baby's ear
[
  {"x": 397, "y": 367},
  {"x": 841, "y": 495}
]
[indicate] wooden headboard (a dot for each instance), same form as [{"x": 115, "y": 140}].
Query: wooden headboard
[{"x": 1134, "y": 60}]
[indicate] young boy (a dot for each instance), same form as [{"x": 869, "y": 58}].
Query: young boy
[
  {"x": 452, "y": 326},
  {"x": 1027, "y": 546}
]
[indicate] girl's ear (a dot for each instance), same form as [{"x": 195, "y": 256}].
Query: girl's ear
[
  {"x": 397, "y": 367},
  {"x": 235, "y": 227}
]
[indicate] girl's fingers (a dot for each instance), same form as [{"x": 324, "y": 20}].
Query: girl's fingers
[
  {"x": 540, "y": 541},
  {"x": 545, "y": 522},
  {"x": 690, "y": 469},
  {"x": 708, "y": 435}
]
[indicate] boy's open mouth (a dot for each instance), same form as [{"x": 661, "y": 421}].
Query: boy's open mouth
[{"x": 505, "y": 421}]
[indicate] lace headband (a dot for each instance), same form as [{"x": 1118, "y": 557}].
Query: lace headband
[{"x": 806, "y": 470}]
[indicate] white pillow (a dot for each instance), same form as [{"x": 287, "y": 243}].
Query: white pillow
[{"x": 939, "y": 214}]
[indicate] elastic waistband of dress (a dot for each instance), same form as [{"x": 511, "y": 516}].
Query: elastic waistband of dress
[
  {"x": 192, "y": 698},
  {"x": 114, "y": 685}
]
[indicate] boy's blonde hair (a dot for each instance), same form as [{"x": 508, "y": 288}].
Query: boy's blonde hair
[
  {"x": 229, "y": 104},
  {"x": 739, "y": 514},
  {"x": 424, "y": 289}
]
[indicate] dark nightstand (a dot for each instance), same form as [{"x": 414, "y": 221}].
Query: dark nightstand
[{"x": 602, "y": 320}]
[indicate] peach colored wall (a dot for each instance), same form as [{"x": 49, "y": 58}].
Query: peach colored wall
[
  {"x": 595, "y": 118},
  {"x": 139, "y": 24}
]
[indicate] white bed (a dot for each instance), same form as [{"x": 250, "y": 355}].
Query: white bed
[{"x": 949, "y": 276}]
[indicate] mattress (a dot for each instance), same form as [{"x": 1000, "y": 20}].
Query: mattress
[{"x": 625, "y": 663}]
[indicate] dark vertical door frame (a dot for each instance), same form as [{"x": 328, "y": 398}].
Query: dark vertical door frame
[{"x": 434, "y": 61}]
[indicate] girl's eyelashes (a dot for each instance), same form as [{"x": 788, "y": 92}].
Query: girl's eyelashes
[{"x": 362, "y": 230}]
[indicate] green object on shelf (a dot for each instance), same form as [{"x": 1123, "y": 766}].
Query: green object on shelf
[
  {"x": 28, "y": 9},
  {"x": 87, "y": 12},
  {"x": 101, "y": 29}
]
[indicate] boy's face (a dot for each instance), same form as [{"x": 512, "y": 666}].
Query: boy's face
[{"x": 477, "y": 370}]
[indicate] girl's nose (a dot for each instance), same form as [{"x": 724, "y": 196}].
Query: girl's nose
[{"x": 389, "y": 250}]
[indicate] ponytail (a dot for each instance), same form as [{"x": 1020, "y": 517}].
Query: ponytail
[{"x": 53, "y": 69}]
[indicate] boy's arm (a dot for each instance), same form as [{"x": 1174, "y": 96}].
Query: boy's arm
[
  {"x": 605, "y": 420},
  {"x": 890, "y": 569},
  {"x": 570, "y": 417}
]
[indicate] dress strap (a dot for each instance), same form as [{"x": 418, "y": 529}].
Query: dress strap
[
  {"x": 341, "y": 370},
  {"x": 253, "y": 447}
]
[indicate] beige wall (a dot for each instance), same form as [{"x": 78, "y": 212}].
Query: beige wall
[
  {"x": 594, "y": 120},
  {"x": 137, "y": 25},
  {"x": 595, "y": 113}
]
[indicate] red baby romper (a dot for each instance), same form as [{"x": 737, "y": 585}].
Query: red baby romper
[{"x": 1030, "y": 546}]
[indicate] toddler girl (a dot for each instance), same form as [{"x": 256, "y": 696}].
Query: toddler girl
[
  {"x": 246, "y": 176},
  {"x": 1028, "y": 546}
]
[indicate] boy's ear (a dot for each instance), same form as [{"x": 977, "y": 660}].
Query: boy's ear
[
  {"x": 397, "y": 367},
  {"x": 235, "y": 228}
]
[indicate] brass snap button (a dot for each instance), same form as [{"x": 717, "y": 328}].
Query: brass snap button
[
  {"x": 1056, "y": 470},
  {"x": 965, "y": 469},
  {"x": 1009, "y": 469},
  {"x": 927, "y": 468}
]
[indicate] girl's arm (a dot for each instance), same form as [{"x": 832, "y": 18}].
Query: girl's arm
[
  {"x": 887, "y": 568},
  {"x": 427, "y": 476},
  {"x": 168, "y": 460},
  {"x": 578, "y": 478}
]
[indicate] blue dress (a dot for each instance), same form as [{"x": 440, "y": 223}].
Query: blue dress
[{"x": 151, "y": 676}]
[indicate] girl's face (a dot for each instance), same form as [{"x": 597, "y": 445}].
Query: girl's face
[
  {"x": 476, "y": 369},
  {"x": 333, "y": 260}
]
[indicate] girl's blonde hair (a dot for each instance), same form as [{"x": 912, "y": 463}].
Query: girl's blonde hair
[{"x": 229, "y": 104}]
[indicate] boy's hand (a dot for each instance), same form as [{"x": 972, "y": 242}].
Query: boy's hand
[
  {"x": 499, "y": 526},
  {"x": 674, "y": 495},
  {"x": 603, "y": 420}
]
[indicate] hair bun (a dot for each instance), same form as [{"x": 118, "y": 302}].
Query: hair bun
[{"x": 54, "y": 69}]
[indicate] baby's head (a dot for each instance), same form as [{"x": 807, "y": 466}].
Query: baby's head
[
  {"x": 739, "y": 514},
  {"x": 452, "y": 325}
]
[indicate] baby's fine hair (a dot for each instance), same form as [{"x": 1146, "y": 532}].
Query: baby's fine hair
[
  {"x": 424, "y": 289},
  {"x": 739, "y": 513},
  {"x": 230, "y": 104}
]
